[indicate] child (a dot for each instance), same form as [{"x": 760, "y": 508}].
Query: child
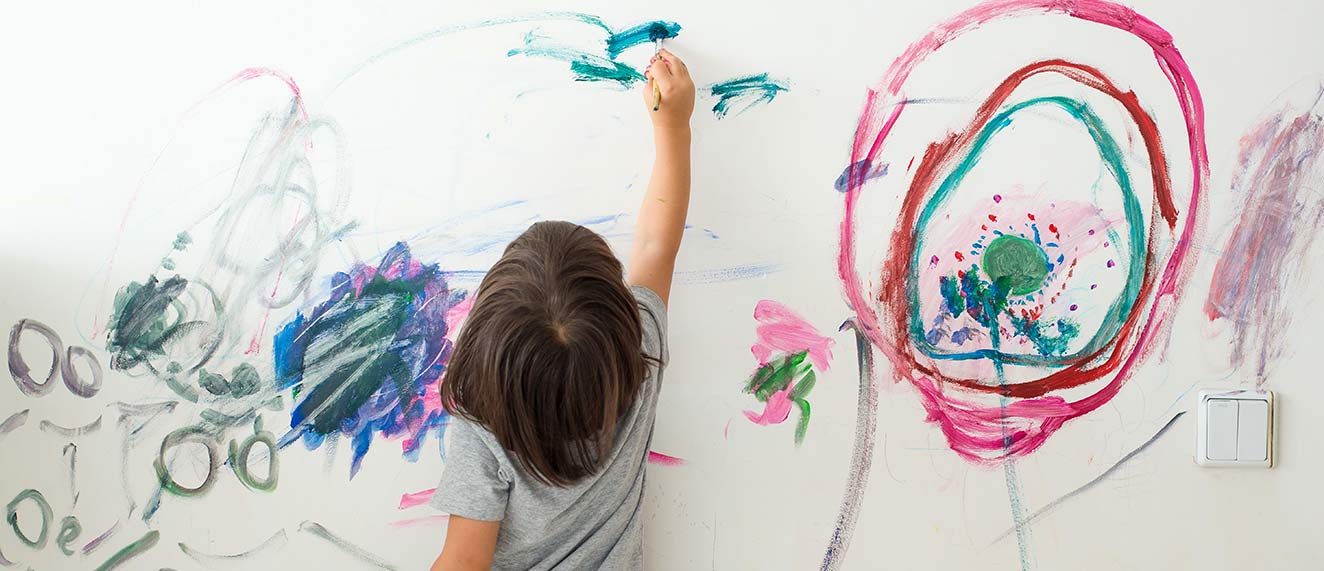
[{"x": 555, "y": 376}]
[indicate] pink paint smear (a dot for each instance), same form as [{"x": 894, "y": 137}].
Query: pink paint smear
[
  {"x": 431, "y": 397},
  {"x": 421, "y": 521},
  {"x": 782, "y": 330},
  {"x": 416, "y": 499},
  {"x": 664, "y": 460},
  {"x": 776, "y": 410}
]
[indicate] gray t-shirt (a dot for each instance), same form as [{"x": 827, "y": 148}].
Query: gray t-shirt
[{"x": 594, "y": 523}]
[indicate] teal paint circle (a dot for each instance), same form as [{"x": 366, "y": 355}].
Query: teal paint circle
[
  {"x": 1113, "y": 158},
  {"x": 46, "y": 516},
  {"x": 1016, "y": 264},
  {"x": 180, "y": 436},
  {"x": 239, "y": 461}
]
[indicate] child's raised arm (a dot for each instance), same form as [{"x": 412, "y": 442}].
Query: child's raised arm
[{"x": 662, "y": 215}]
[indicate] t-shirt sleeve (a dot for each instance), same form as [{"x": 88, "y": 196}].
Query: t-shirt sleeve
[
  {"x": 473, "y": 484},
  {"x": 653, "y": 315}
]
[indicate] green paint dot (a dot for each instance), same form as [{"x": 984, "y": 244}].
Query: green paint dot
[{"x": 1015, "y": 263}]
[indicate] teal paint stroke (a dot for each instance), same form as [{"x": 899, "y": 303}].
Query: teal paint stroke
[
  {"x": 742, "y": 93},
  {"x": 584, "y": 66},
  {"x": 644, "y": 33},
  {"x": 130, "y": 551},
  {"x": 1113, "y": 159},
  {"x": 596, "y": 65}
]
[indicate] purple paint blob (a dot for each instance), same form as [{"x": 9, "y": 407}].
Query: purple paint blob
[{"x": 1279, "y": 170}]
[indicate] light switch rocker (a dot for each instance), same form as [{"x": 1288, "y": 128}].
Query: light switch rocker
[{"x": 1234, "y": 429}]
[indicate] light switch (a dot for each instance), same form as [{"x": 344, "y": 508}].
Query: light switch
[
  {"x": 1221, "y": 432},
  {"x": 1252, "y": 430},
  {"x": 1235, "y": 428}
]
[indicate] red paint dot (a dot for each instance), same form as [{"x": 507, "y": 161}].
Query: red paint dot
[
  {"x": 983, "y": 226},
  {"x": 961, "y": 258},
  {"x": 992, "y": 218},
  {"x": 1031, "y": 216},
  {"x": 1052, "y": 228}
]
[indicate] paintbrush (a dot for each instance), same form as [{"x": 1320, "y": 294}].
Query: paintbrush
[{"x": 657, "y": 93}]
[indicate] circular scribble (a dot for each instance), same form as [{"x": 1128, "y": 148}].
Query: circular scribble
[{"x": 1042, "y": 292}]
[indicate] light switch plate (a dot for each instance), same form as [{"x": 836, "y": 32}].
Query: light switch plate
[{"x": 1235, "y": 428}]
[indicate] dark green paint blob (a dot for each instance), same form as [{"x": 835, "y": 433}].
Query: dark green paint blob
[
  {"x": 142, "y": 322},
  {"x": 244, "y": 381},
  {"x": 213, "y": 383},
  {"x": 780, "y": 373},
  {"x": 1015, "y": 264}
]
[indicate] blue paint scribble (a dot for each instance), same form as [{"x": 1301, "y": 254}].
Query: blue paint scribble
[
  {"x": 861, "y": 171},
  {"x": 366, "y": 361}
]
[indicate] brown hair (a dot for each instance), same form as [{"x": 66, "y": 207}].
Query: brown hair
[{"x": 550, "y": 356}]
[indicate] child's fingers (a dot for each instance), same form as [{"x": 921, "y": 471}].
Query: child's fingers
[
  {"x": 661, "y": 76},
  {"x": 660, "y": 69},
  {"x": 672, "y": 60}
]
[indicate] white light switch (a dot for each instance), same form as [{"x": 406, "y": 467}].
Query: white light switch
[
  {"x": 1235, "y": 428},
  {"x": 1252, "y": 431},
  {"x": 1221, "y": 432}
]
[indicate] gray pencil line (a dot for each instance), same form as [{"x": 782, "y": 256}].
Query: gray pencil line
[{"x": 1097, "y": 479}]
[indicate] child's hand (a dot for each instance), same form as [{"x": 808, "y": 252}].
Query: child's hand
[{"x": 672, "y": 79}]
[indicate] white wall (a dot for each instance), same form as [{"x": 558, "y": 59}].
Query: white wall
[{"x": 120, "y": 131}]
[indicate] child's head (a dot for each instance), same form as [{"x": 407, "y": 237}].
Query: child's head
[{"x": 550, "y": 356}]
